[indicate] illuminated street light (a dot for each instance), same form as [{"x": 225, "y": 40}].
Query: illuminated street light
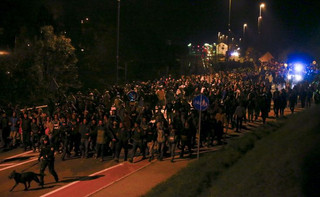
[
  {"x": 4, "y": 53},
  {"x": 244, "y": 29},
  {"x": 259, "y": 24},
  {"x": 262, "y": 5}
]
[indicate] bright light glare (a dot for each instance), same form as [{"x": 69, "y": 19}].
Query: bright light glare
[
  {"x": 298, "y": 67},
  {"x": 298, "y": 77},
  {"x": 235, "y": 53},
  {"x": 289, "y": 77}
]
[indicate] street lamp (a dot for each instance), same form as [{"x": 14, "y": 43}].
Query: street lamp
[
  {"x": 259, "y": 24},
  {"x": 229, "y": 22},
  {"x": 262, "y": 5},
  {"x": 244, "y": 29},
  {"x": 118, "y": 30}
]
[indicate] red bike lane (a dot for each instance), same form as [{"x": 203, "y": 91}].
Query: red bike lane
[{"x": 98, "y": 181}]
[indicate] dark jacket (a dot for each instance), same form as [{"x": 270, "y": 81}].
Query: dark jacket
[
  {"x": 26, "y": 125},
  {"x": 84, "y": 130},
  {"x": 121, "y": 134},
  {"x": 47, "y": 152}
]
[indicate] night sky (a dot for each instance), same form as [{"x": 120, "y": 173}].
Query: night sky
[{"x": 287, "y": 24}]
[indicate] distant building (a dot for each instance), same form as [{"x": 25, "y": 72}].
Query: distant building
[
  {"x": 266, "y": 58},
  {"x": 222, "y": 49}
]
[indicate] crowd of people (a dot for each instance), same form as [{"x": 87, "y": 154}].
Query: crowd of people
[{"x": 156, "y": 117}]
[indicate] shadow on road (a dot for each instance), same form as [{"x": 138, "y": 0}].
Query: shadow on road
[
  {"x": 16, "y": 159},
  {"x": 80, "y": 178}
]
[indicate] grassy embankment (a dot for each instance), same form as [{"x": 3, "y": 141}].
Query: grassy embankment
[{"x": 280, "y": 158}]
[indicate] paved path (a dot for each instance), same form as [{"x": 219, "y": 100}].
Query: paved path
[
  {"x": 17, "y": 160},
  {"x": 99, "y": 180}
]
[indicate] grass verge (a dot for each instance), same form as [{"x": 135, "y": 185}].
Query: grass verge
[{"x": 277, "y": 159}]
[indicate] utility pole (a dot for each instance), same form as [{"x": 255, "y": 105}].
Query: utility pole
[{"x": 118, "y": 34}]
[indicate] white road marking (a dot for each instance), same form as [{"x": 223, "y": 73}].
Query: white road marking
[
  {"x": 6, "y": 164},
  {"x": 18, "y": 164},
  {"x": 14, "y": 156}
]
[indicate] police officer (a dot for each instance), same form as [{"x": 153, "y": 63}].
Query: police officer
[{"x": 47, "y": 159}]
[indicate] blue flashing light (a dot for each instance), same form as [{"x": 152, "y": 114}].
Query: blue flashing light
[
  {"x": 298, "y": 77},
  {"x": 298, "y": 67}
]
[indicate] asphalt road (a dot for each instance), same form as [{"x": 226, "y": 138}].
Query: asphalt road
[{"x": 92, "y": 176}]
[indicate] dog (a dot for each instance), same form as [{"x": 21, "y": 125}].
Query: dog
[{"x": 25, "y": 177}]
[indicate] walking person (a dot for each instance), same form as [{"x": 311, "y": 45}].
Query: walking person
[
  {"x": 186, "y": 138},
  {"x": 283, "y": 101},
  {"x": 101, "y": 131},
  {"x": 26, "y": 131},
  {"x": 276, "y": 102},
  {"x": 122, "y": 136},
  {"x": 137, "y": 137},
  {"x": 239, "y": 115},
  {"x": 4, "y": 130},
  {"x": 55, "y": 140},
  {"x": 172, "y": 139},
  {"x": 292, "y": 100},
  {"x": 14, "y": 125},
  {"x": 161, "y": 139},
  {"x": 65, "y": 130},
  {"x": 150, "y": 140},
  {"x": 35, "y": 135},
  {"x": 84, "y": 130}
]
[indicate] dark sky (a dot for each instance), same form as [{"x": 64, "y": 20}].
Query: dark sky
[{"x": 286, "y": 23}]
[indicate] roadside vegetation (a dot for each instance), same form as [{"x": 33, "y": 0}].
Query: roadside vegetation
[{"x": 280, "y": 158}]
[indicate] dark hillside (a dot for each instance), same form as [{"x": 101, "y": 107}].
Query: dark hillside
[{"x": 279, "y": 159}]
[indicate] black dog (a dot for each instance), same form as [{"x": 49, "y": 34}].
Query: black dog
[{"x": 24, "y": 178}]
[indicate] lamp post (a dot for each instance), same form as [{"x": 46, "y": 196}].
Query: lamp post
[
  {"x": 244, "y": 29},
  {"x": 229, "y": 26},
  {"x": 229, "y": 21},
  {"x": 262, "y": 5},
  {"x": 259, "y": 24},
  {"x": 118, "y": 30}
]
